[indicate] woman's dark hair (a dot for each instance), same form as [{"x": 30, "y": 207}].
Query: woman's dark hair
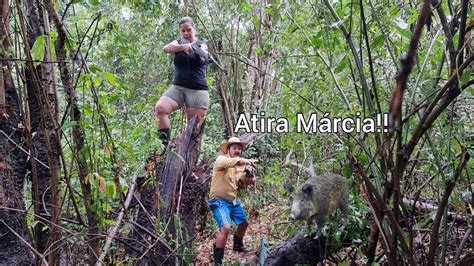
[{"x": 186, "y": 20}]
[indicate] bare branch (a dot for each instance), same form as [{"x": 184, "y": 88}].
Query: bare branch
[{"x": 443, "y": 204}]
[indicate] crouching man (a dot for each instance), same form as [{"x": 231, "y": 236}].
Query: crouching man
[{"x": 228, "y": 175}]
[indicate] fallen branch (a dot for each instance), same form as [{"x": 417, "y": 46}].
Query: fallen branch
[{"x": 426, "y": 207}]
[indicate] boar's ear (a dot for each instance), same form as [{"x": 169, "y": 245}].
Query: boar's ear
[
  {"x": 289, "y": 187},
  {"x": 307, "y": 189}
]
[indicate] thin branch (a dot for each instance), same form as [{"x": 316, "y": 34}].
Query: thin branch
[
  {"x": 407, "y": 62},
  {"x": 384, "y": 208},
  {"x": 23, "y": 150},
  {"x": 442, "y": 206},
  {"x": 447, "y": 33},
  {"x": 418, "y": 77},
  {"x": 309, "y": 169},
  {"x": 387, "y": 41},
  {"x": 326, "y": 63},
  {"x": 431, "y": 115},
  {"x": 360, "y": 68},
  {"x": 369, "y": 54},
  {"x": 462, "y": 31},
  {"x": 276, "y": 79}
]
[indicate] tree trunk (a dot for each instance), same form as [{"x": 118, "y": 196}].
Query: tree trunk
[
  {"x": 13, "y": 162},
  {"x": 179, "y": 194},
  {"x": 43, "y": 128}
]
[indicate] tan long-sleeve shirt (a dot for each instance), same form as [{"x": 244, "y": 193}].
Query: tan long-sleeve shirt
[{"x": 225, "y": 176}]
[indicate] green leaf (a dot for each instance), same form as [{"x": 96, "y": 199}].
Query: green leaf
[
  {"x": 111, "y": 191},
  {"x": 341, "y": 65},
  {"x": 110, "y": 78},
  {"x": 53, "y": 35},
  {"x": 247, "y": 6},
  {"x": 37, "y": 51},
  {"x": 210, "y": 81},
  {"x": 293, "y": 28},
  {"x": 347, "y": 170},
  {"x": 466, "y": 76},
  {"x": 67, "y": 125},
  {"x": 363, "y": 158},
  {"x": 256, "y": 22},
  {"x": 110, "y": 110},
  {"x": 94, "y": 69},
  {"x": 378, "y": 41},
  {"x": 109, "y": 222},
  {"x": 114, "y": 98},
  {"x": 89, "y": 178},
  {"x": 404, "y": 32},
  {"x": 317, "y": 42},
  {"x": 97, "y": 81},
  {"x": 57, "y": 5}
]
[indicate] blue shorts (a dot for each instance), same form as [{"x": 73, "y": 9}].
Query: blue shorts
[{"x": 225, "y": 212}]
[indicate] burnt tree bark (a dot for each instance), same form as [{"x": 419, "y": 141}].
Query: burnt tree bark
[
  {"x": 44, "y": 131},
  {"x": 13, "y": 161},
  {"x": 41, "y": 177}
]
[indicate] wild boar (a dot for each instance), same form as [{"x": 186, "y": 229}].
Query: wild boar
[{"x": 319, "y": 197}]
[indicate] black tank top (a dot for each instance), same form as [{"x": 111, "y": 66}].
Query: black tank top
[{"x": 189, "y": 71}]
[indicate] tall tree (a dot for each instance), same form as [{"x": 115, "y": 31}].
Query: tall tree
[
  {"x": 43, "y": 126},
  {"x": 14, "y": 249}
]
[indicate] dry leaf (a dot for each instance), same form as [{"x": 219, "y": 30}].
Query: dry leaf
[
  {"x": 107, "y": 150},
  {"x": 102, "y": 187}
]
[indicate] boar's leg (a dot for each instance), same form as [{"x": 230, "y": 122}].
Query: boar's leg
[
  {"x": 319, "y": 219},
  {"x": 343, "y": 205}
]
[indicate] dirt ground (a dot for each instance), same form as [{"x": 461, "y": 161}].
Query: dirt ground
[
  {"x": 270, "y": 220},
  {"x": 260, "y": 223}
]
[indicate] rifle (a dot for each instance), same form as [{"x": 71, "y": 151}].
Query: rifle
[{"x": 205, "y": 57}]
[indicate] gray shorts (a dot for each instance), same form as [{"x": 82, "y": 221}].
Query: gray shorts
[{"x": 188, "y": 97}]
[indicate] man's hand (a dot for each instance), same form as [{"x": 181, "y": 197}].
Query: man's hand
[{"x": 251, "y": 162}]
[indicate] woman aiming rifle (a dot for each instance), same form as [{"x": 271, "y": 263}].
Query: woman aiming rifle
[{"x": 189, "y": 86}]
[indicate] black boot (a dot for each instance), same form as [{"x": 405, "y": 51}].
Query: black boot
[
  {"x": 239, "y": 245},
  {"x": 218, "y": 255},
  {"x": 164, "y": 135}
]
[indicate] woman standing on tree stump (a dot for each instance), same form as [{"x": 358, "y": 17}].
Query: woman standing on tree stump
[{"x": 189, "y": 87}]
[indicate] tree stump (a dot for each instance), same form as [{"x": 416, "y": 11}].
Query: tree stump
[{"x": 178, "y": 198}]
